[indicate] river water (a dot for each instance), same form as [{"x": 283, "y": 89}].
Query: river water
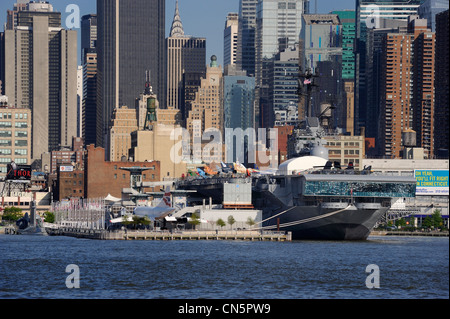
[{"x": 408, "y": 268}]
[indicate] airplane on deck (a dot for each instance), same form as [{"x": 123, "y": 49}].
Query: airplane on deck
[{"x": 163, "y": 207}]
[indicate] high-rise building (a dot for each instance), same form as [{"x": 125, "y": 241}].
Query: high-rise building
[
  {"x": 245, "y": 58},
  {"x": 423, "y": 96},
  {"x": 230, "y": 39},
  {"x": 123, "y": 122},
  {"x": 89, "y": 63},
  {"x": 80, "y": 98},
  {"x": 11, "y": 17},
  {"x": 238, "y": 105},
  {"x": 373, "y": 69},
  {"x": 283, "y": 88},
  {"x": 368, "y": 15},
  {"x": 406, "y": 88},
  {"x": 88, "y": 34},
  {"x": 441, "y": 84},
  {"x": 130, "y": 41},
  {"x": 429, "y": 9},
  {"x": 322, "y": 38},
  {"x": 322, "y": 35},
  {"x": 15, "y": 135},
  {"x": 348, "y": 34},
  {"x": 185, "y": 54},
  {"x": 278, "y": 26},
  {"x": 207, "y": 107},
  {"x": 395, "y": 92},
  {"x": 40, "y": 73}
]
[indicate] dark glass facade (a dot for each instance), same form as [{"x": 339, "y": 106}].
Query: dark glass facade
[{"x": 125, "y": 57}]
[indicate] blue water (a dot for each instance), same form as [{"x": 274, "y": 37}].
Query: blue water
[{"x": 409, "y": 268}]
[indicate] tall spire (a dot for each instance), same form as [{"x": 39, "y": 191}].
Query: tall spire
[{"x": 177, "y": 26}]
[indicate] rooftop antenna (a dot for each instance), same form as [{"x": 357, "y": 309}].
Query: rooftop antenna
[{"x": 148, "y": 85}]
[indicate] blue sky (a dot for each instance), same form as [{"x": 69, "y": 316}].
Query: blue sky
[{"x": 201, "y": 18}]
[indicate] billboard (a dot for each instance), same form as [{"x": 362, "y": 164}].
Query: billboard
[
  {"x": 18, "y": 172},
  {"x": 431, "y": 181}
]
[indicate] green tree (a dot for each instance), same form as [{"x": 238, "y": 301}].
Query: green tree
[
  {"x": 195, "y": 220},
  {"x": 400, "y": 222},
  {"x": 427, "y": 222},
  {"x": 220, "y": 222},
  {"x": 437, "y": 219},
  {"x": 49, "y": 217},
  {"x": 12, "y": 214},
  {"x": 138, "y": 220},
  {"x": 250, "y": 221},
  {"x": 231, "y": 221}
]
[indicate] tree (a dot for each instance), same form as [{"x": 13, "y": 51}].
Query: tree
[
  {"x": 231, "y": 221},
  {"x": 250, "y": 221},
  {"x": 12, "y": 214},
  {"x": 137, "y": 220},
  {"x": 49, "y": 217},
  {"x": 195, "y": 219},
  {"x": 400, "y": 222},
  {"x": 427, "y": 222},
  {"x": 220, "y": 222},
  {"x": 437, "y": 219}
]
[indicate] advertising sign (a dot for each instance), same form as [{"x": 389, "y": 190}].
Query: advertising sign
[
  {"x": 18, "y": 172},
  {"x": 66, "y": 168},
  {"x": 431, "y": 182}
]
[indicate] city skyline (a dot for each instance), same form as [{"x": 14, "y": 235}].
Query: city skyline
[{"x": 192, "y": 17}]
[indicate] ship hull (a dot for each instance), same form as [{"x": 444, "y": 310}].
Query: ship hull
[{"x": 317, "y": 223}]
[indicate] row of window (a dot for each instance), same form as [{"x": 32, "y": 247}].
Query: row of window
[
  {"x": 7, "y": 151},
  {"x": 17, "y": 116},
  {"x": 7, "y": 160},
  {"x": 4, "y": 124}
]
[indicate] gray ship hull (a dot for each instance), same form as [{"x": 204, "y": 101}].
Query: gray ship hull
[{"x": 315, "y": 222}]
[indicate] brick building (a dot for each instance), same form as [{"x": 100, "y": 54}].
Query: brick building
[
  {"x": 103, "y": 178},
  {"x": 68, "y": 184}
]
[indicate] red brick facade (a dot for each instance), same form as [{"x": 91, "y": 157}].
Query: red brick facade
[{"x": 103, "y": 178}]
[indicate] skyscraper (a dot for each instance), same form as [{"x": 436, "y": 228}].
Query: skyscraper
[
  {"x": 130, "y": 42},
  {"x": 407, "y": 88},
  {"x": 423, "y": 96},
  {"x": 429, "y": 9},
  {"x": 395, "y": 92},
  {"x": 88, "y": 34},
  {"x": 368, "y": 14},
  {"x": 89, "y": 63},
  {"x": 230, "y": 39},
  {"x": 245, "y": 55},
  {"x": 441, "y": 114},
  {"x": 207, "y": 107},
  {"x": 278, "y": 26},
  {"x": 185, "y": 54},
  {"x": 40, "y": 73},
  {"x": 322, "y": 38}
]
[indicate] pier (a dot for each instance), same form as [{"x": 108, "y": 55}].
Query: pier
[
  {"x": 245, "y": 235},
  {"x": 410, "y": 233}
]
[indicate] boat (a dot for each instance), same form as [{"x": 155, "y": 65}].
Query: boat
[
  {"x": 310, "y": 196},
  {"x": 327, "y": 206}
]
